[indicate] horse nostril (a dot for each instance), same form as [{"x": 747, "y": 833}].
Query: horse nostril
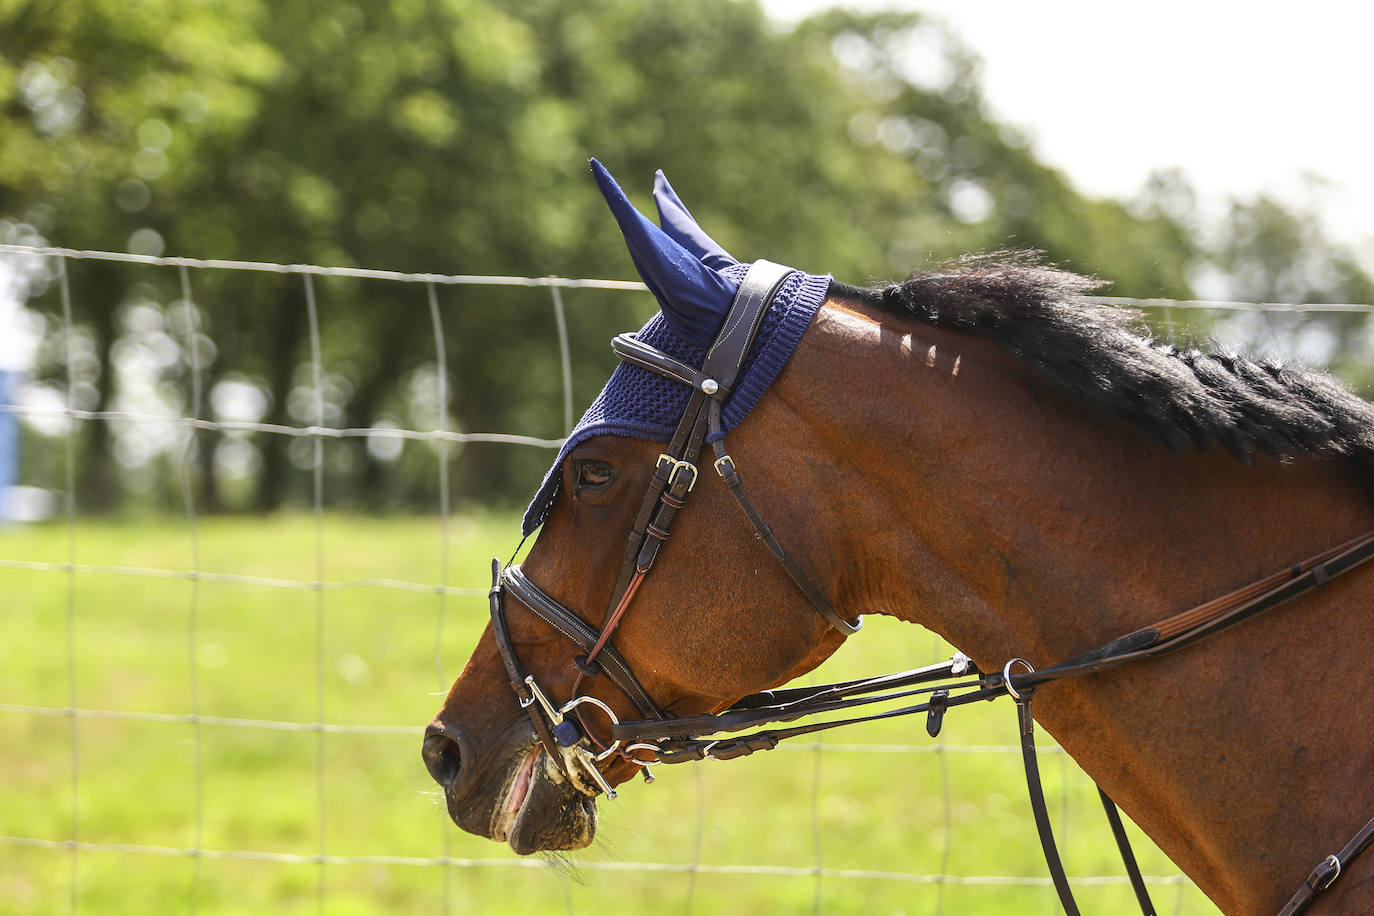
[{"x": 442, "y": 756}]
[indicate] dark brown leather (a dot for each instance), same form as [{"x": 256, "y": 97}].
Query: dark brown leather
[
  {"x": 1328, "y": 870},
  {"x": 726, "y": 356}
]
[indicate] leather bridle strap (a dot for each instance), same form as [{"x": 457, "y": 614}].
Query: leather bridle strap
[
  {"x": 725, "y": 466},
  {"x": 711, "y": 387},
  {"x": 501, "y": 632},
  {"x": 574, "y": 629},
  {"x": 675, "y": 473},
  {"x": 1036, "y": 790},
  {"x": 1328, "y": 870}
]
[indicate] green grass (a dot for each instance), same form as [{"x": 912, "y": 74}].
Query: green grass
[{"x": 255, "y": 648}]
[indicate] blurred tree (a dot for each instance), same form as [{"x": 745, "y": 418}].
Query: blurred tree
[
  {"x": 1275, "y": 252},
  {"x": 103, "y": 106},
  {"x": 974, "y": 183},
  {"x": 452, "y": 136}
]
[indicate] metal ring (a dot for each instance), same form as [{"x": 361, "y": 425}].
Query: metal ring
[
  {"x": 1006, "y": 677},
  {"x": 615, "y": 720},
  {"x": 585, "y": 698}
]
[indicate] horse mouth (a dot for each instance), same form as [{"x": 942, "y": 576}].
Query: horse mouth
[
  {"x": 539, "y": 810},
  {"x": 512, "y": 803}
]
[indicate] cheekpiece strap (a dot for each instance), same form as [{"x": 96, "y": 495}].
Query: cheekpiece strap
[
  {"x": 580, "y": 634},
  {"x": 756, "y": 291}
]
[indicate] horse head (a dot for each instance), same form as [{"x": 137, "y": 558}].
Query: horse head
[{"x": 717, "y": 620}]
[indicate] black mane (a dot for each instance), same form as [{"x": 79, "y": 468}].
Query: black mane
[{"x": 1103, "y": 355}]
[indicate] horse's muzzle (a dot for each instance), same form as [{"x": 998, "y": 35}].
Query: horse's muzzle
[{"x": 509, "y": 792}]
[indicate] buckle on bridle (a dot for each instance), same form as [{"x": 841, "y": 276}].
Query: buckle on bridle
[
  {"x": 678, "y": 466},
  {"x": 1325, "y": 874}
]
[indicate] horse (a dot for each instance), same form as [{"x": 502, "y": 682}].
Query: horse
[{"x": 985, "y": 451}]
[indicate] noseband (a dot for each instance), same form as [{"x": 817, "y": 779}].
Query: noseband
[{"x": 574, "y": 748}]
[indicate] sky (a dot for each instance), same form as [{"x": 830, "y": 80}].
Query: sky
[{"x": 1244, "y": 98}]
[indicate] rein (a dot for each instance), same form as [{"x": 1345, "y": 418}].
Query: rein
[{"x": 931, "y": 690}]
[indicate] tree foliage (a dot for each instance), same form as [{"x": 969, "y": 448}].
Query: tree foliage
[{"x": 452, "y": 136}]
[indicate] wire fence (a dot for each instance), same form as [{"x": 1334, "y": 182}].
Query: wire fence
[{"x": 97, "y": 582}]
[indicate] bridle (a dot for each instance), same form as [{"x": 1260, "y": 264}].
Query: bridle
[
  {"x": 667, "y": 739},
  {"x": 675, "y": 474}
]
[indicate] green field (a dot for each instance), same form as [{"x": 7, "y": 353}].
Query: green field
[{"x": 827, "y": 828}]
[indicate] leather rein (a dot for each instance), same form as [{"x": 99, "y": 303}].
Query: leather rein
[{"x": 562, "y": 729}]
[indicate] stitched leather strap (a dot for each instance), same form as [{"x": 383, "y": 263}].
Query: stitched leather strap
[
  {"x": 630, "y": 350},
  {"x": 501, "y": 631},
  {"x": 756, "y": 291},
  {"x": 725, "y": 466},
  {"x": 1328, "y": 870},
  {"x": 1026, "y": 725},
  {"x": 579, "y": 633}
]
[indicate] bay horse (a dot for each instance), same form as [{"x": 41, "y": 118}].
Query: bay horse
[{"x": 981, "y": 450}]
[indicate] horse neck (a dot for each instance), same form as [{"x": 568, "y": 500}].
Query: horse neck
[{"x": 981, "y": 503}]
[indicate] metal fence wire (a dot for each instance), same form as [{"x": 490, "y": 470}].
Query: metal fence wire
[{"x": 67, "y": 839}]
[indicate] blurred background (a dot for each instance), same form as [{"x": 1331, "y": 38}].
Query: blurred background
[
  {"x": 453, "y": 138},
  {"x": 172, "y": 533}
]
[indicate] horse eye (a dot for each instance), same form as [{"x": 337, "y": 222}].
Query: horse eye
[{"x": 593, "y": 475}]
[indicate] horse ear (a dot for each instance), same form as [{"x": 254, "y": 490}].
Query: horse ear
[
  {"x": 678, "y": 223},
  {"x": 694, "y": 298}
]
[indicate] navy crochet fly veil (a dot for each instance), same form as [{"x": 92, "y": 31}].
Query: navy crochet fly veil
[{"x": 694, "y": 281}]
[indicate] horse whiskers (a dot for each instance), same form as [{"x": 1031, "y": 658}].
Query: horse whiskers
[{"x": 564, "y": 866}]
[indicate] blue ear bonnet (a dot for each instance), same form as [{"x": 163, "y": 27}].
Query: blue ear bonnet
[{"x": 694, "y": 281}]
